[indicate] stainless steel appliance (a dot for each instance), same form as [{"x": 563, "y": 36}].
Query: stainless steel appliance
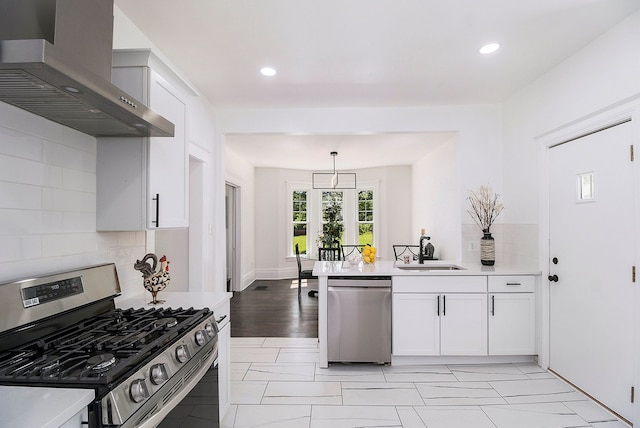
[
  {"x": 359, "y": 319},
  {"x": 63, "y": 330},
  {"x": 55, "y": 61}
]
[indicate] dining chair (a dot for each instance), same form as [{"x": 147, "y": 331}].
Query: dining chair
[
  {"x": 350, "y": 250},
  {"x": 329, "y": 254},
  {"x": 400, "y": 250},
  {"x": 303, "y": 274}
]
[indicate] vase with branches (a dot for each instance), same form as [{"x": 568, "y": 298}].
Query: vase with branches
[{"x": 485, "y": 208}]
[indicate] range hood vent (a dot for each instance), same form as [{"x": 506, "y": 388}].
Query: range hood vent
[{"x": 55, "y": 62}]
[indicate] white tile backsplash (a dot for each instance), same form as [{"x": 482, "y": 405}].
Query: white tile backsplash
[
  {"x": 17, "y": 170},
  {"x": 69, "y": 157},
  {"x": 68, "y": 200},
  {"x": 20, "y": 145},
  {"x": 15, "y": 248},
  {"x": 21, "y": 196},
  {"x": 48, "y": 203},
  {"x": 516, "y": 244},
  {"x": 78, "y": 180}
]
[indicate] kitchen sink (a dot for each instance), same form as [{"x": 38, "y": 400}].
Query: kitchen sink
[{"x": 413, "y": 266}]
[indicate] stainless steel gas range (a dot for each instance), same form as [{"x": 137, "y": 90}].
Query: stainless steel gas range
[{"x": 63, "y": 330}]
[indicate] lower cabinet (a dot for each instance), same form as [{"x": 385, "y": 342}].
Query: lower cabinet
[
  {"x": 512, "y": 316},
  {"x": 427, "y": 323},
  {"x": 415, "y": 324},
  {"x": 476, "y": 316},
  {"x": 463, "y": 324}
]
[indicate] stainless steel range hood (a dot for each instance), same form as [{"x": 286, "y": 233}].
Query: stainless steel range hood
[{"x": 55, "y": 61}]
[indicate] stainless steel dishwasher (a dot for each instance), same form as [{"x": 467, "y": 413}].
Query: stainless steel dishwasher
[{"x": 359, "y": 319}]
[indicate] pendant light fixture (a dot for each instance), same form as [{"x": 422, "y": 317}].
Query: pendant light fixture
[{"x": 335, "y": 180}]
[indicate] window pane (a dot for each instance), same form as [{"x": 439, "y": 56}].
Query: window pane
[
  {"x": 365, "y": 233},
  {"x": 299, "y": 221},
  {"x": 365, "y": 217},
  {"x": 300, "y": 238}
]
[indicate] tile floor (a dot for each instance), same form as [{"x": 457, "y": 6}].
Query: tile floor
[{"x": 276, "y": 382}]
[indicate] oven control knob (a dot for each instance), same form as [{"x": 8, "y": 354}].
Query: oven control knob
[
  {"x": 138, "y": 390},
  {"x": 182, "y": 353},
  {"x": 201, "y": 337},
  {"x": 210, "y": 329},
  {"x": 158, "y": 374}
]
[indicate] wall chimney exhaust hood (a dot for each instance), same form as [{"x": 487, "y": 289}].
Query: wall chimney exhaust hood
[{"x": 55, "y": 62}]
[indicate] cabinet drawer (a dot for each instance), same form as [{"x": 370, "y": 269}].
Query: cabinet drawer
[
  {"x": 512, "y": 284},
  {"x": 440, "y": 284}
]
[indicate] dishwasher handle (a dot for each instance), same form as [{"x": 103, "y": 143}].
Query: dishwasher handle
[{"x": 360, "y": 282}]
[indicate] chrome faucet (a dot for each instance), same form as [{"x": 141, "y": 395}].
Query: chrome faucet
[{"x": 422, "y": 248}]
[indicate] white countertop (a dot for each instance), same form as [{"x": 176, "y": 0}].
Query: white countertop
[
  {"x": 28, "y": 406},
  {"x": 388, "y": 268},
  {"x": 176, "y": 299}
]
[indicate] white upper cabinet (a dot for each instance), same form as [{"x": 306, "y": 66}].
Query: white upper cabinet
[{"x": 142, "y": 183}]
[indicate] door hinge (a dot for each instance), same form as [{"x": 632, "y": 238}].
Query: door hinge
[
  {"x": 632, "y": 394},
  {"x": 633, "y": 274},
  {"x": 631, "y": 152}
]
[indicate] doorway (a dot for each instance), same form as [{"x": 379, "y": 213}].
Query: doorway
[
  {"x": 232, "y": 223},
  {"x": 592, "y": 243}
]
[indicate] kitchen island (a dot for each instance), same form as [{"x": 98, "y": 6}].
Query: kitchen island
[{"x": 447, "y": 313}]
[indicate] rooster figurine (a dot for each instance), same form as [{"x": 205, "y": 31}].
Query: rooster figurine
[{"x": 154, "y": 281}]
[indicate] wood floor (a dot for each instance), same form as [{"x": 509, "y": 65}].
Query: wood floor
[{"x": 271, "y": 308}]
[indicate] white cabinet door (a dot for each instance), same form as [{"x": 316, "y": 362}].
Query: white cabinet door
[
  {"x": 168, "y": 160},
  {"x": 512, "y": 324},
  {"x": 416, "y": 325},
  {"x": 131, "y": 172},
  {"x": 463, "y": 324}
]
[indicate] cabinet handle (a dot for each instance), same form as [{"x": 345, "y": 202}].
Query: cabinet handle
[
  {"x": 513, "y": 284},
  {"x": 493, "y": 306},
  {"x": 438, "y": 310},
  {"x": 444, "y": 305},
  {"x": 157, "y": 220},
  {"x": 219, "y": 320}
]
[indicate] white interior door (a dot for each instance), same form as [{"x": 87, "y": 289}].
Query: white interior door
[{"x": 592, "y": 238}]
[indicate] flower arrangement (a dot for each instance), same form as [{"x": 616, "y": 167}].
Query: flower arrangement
[{"x": 484, "y": 207}]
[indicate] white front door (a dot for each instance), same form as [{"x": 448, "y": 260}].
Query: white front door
[{"x": 592, "y": 250}]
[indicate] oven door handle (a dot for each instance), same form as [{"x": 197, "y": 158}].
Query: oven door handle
[{"x": 219, "y": 320}]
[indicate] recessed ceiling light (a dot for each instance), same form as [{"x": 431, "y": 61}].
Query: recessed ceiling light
[
  {"x": 268, "y": 71},
  {"x": 489, "y": 48}
]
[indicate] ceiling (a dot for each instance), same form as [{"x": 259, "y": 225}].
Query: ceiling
[
  {"x": 313, "y": 152},
  {"x": 366, "y": 53}
]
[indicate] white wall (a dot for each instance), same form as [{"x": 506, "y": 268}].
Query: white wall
[
  {"x": 48, "y": 203},
  {"x": 436, "y": 206}
]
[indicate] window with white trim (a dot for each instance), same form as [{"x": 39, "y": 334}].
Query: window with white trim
[{"x": 306, "y": 215}]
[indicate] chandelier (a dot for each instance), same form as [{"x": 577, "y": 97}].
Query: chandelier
[{"x": 334, "y": 180}]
